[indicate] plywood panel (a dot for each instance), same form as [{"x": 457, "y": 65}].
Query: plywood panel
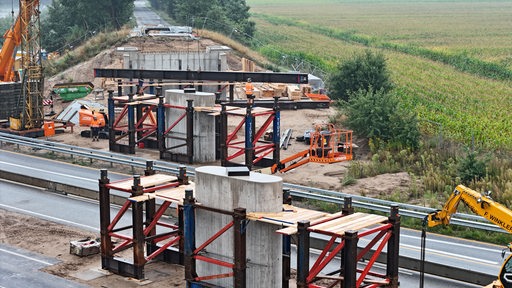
[{"x": 145, "y": 182}]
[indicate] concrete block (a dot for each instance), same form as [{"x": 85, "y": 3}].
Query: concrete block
[{"x": 84, "y": 247}]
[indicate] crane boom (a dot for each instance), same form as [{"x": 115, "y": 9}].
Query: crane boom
[
  {"x": 8, "y": 53},
  {"x": 25, "y": 33},
  {"x": 13, "y": 39}
]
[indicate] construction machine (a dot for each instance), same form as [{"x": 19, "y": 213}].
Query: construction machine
[
  {"x": 327, "y": 145},
  {"x": 485, "y": 206},
  {"x": 25, "y": 34}
]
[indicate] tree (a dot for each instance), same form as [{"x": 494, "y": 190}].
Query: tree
[
  {"x": 68, "y": 22},
  {"x": 5, "y": 24},
  {"x": 379, "y": 116},
  {"x": 471, "y": 168},
  {"x": 363, "y": 72},
  {"x": 230, "y": 17}
]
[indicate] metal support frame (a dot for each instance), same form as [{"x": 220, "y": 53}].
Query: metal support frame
[
  {"x": 163, "y": 132},
  {"x": 135, "y": 122},
  {"x": 254, "y": 150},
  {"x": 192, "y": 254},
  {"x": 351, "y": 276},
  {"x": 148, "y": 237}
]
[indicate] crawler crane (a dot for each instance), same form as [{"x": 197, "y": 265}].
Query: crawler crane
[
  {"x": 25, "y": 34},
  {"x": 484, "y": 206}
]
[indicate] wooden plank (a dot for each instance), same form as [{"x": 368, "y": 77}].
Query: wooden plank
[
  {"x": 306, "y": 215},
  {"x": 293, "y": 229},
  {"x": 142, "y": 198},
  {"x": 218, "y": 110},
  {"x": 135, "y": 98},
  {"x": 370, "y": 221},
  {"x": 260, "y": 215},
  {"x": 338, "y": 221},
  {"x": 151, "y": 102},
  {"x": 175, "y": 194},
  {"x": 356, "y": 225},
  {"x": 145, "y": 182}
]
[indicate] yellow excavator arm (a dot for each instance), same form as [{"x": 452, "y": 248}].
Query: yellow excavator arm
[
  {"x": 479, "y": 204},
  {"x": 483, "y": 205}
]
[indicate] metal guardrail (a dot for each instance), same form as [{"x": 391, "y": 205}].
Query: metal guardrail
[{"x": 408, "y": 210}]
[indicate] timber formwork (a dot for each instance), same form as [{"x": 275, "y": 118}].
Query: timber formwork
[
  {"x": 254, "y": 150},
  {"x": 148, "y": 236}
]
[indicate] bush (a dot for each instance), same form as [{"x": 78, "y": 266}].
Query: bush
[
  {"x": 379, "y": 116},
  {"x": 471, "y": 169},
  {"x": 364, "y": 72}
]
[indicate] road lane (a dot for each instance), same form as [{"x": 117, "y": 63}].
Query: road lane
[{"x": 21, "y": 268}]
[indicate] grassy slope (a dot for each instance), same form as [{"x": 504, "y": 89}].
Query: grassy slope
[{"x": 464, "y": 104}]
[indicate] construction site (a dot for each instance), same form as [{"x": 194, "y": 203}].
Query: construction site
[{"x": 234, "y": 224}]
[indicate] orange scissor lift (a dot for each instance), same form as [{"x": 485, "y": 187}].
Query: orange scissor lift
[{"x": 327, "y": 145}]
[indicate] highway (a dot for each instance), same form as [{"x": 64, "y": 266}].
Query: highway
[
  {"x": 20, "y": 268},
  {"x": 470, "y": 255}
]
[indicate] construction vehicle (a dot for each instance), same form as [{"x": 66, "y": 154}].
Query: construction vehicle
[
  {"x": 327, "y": 145},
  {"x": 483, "y": 205},
  {"x": 25, "y": 34},
  {"x": 85, "y": 118}
]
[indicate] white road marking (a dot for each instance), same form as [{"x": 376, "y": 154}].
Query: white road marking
[
  {"x": 26, "y": 257},
  {"x": 475, "y": 247},
  {"x": 49, "y": 172},
  {"x": 49, "y": 217},
  {"x": 452, "y": 255}
]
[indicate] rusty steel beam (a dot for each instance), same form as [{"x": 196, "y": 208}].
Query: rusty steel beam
[{"x": 293, "y": 78}]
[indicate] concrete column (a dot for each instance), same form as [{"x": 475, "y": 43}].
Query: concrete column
[{"x": 256, "y": 193}]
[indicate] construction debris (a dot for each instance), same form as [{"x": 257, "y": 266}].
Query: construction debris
[{"x": 84, "y": 247}]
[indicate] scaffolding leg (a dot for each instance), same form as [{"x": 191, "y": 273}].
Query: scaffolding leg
[
  {"x": 350, "y": 253},
  {"x": 189, "y": 233},
  {"x": 106, "y": 240},
  {"x": 303, "y": 254},
  {"x": 393, "y": 248},
  {"x": 239, "y": 271}
]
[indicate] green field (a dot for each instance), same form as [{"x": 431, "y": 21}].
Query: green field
[{"x": 451, "y": 59}]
